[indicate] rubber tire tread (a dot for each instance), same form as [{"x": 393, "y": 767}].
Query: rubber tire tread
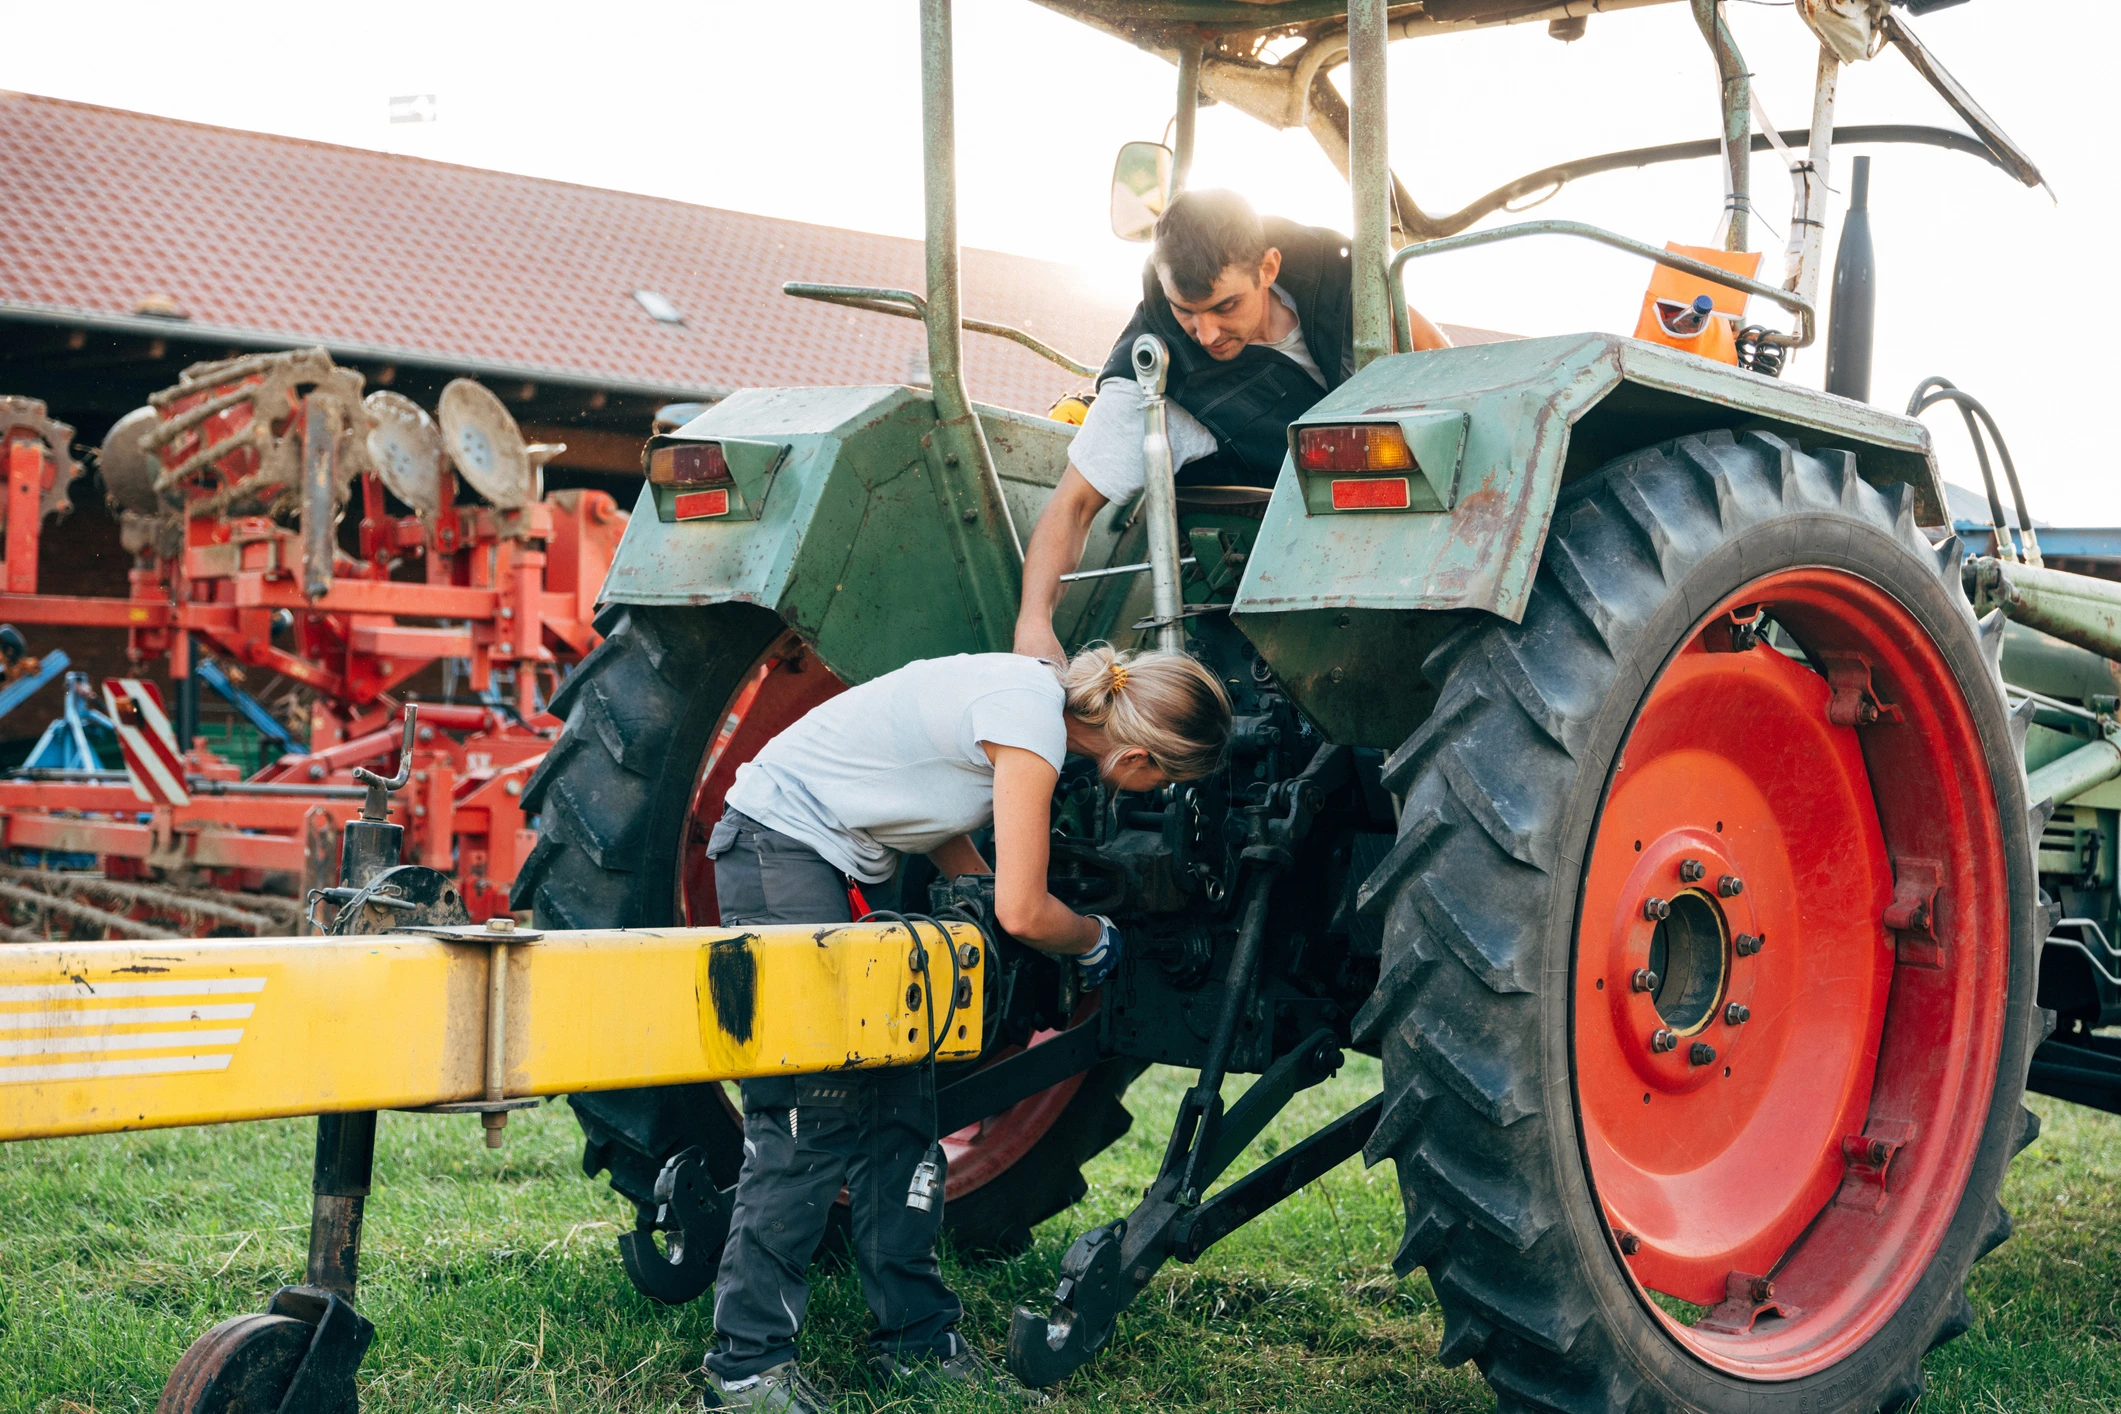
[
  {"x": 612, "y": 799},
  {"x": 1478, "y": 899}
]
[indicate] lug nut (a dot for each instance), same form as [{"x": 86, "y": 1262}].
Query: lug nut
[
  {"x": 1662, "y": 1040},
  {"x": 1762, "y": 1289},
  {"x": 1702, "y": 1054},
  {"x": 1691, "y": 870},
  {"x": 1656, "y": 908},
  {"x": 1737, "y": 1014},
  {"x": 1730, "y": 886},
  {"x": 1644, "y": 980},
  {"x": 1746, "y": 944},
  {"x": 1630, "y": 1244}
]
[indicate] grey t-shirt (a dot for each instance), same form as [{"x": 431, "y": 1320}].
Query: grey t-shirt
[
  {"x": 894, "y": 766},
  {"x": 1107, "y": 448}
]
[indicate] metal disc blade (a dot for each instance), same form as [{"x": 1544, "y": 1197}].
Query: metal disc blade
[
  {"x": 406, "y": 447},
  {"x": 128, "y": 472},
  {"x": 487, "y": 446}
]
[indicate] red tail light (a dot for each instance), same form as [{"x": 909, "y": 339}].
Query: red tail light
[
  {"x": 1362, "y": 448},
  {"x": 688, "y": 464},
  {"x": 1383, "y": 493}
]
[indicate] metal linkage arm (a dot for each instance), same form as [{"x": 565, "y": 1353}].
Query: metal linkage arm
[
  {"x": 1795, "y": 303},
  {"x": 908, "y": 305}
]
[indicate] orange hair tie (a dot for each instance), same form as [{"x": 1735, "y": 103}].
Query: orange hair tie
[{"x": 1119, "y": 677}]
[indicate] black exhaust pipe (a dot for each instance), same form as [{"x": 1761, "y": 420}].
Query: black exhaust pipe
[{"x": 1855, "y": 310}]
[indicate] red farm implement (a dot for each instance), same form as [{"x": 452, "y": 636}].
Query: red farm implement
[{"x": 233, "y": 491}]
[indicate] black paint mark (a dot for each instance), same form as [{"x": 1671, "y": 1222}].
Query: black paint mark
[
  {"x": 143, "y": 969},
  {"x": 733, "y": 985}
]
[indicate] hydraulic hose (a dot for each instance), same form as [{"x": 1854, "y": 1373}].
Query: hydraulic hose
[{"x": 1931, "y": 391}]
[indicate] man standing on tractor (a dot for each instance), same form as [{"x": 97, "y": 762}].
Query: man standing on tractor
[{"x": 1258, "y": 315}]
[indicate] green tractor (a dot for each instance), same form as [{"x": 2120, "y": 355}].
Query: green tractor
[{"x": 1620, "y": 757}]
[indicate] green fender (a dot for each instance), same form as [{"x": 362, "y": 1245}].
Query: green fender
[
  {"x": 853, "y": 542},
  {"x": 1344, "y": 605}
]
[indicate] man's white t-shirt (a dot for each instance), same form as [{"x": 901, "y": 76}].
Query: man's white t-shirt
[
  {"x": 1107, "y": 448},
  {"x": 894, "y": 766}
]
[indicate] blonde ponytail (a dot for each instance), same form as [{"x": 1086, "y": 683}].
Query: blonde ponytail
[{"x": 1165, "y": 704}]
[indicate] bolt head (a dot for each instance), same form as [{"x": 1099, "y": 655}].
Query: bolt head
[
  {"x": 500, "y": 923},
  {"x": 1630, "y": 1244},
  {"x": 1644, "y": 980},
  {"x": 1880, "y": 1151},
  {"x": 1737, "y": 1014},
  {"x": 1763, "y": 1289},
  {"x": 1662, "y": 1040},
  {"x": 1730, "y": 886},
  {"x": 1656, "y": 908},
  {"x": 1691, "y": 871},
  {"x": 1702, "y": 1053},
  {"x": 1746, "y": 944}
]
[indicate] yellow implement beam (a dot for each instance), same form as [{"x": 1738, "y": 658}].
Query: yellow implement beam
[{"x": 112, "y": 1036}]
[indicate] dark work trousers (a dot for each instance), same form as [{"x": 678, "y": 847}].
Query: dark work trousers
[{"x": 805, "y": 1136}]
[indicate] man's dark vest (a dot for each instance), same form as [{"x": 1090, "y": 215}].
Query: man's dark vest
[{"x": 1249, "y": 402}]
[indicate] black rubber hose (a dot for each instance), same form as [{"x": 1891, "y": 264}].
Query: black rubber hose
[{"x": 1931, "y": 391}]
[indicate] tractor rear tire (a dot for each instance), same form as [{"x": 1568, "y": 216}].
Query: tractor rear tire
[
  {"x": 619, "y": 846},
  {"x": 1805, "y": 1179}
]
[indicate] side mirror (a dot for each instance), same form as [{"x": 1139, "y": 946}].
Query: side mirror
[{"x": 1141, "y": 189}]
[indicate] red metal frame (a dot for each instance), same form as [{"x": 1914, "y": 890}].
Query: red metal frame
[{"x": 501, "y": 589}]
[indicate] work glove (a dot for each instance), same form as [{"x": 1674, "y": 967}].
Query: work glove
[{"x": 1102, "y": 960}]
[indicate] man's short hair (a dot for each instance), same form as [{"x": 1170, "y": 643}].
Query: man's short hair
[{"x": 1203, "y": 232}]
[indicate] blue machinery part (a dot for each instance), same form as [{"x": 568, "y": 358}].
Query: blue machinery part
[
  {"x": 65, "y": 745},
  {"x": 253, "y": 711},
  {"x": 22, "y": 689}
]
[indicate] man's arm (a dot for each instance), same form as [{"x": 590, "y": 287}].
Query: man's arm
[{"x": 1056, "y": 548}]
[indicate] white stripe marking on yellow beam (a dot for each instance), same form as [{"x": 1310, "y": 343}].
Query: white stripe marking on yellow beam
[
  {"x": 131, "y": 1041},
  {"x": 96, "y": 991},
  {"x": 90, "y": 1070},
  {"x": 122, "y": 1016}
]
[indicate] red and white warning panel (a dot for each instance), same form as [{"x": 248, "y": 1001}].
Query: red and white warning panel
[{"x": 153, "y": 763}]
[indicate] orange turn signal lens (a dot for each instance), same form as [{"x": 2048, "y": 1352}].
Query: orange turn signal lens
[
  {"x": 1371, "y": 447},
  {"x": 687, "y": 464}
]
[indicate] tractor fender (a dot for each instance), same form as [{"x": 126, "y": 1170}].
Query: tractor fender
[
  {"x": 837, "y": 522},
  {"x": 1344, "y": 604}
]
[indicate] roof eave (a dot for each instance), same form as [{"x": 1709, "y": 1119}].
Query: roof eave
[{"x": 352, "y": 350}]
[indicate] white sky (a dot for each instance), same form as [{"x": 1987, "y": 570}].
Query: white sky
[{"x": 812, "y": 111}]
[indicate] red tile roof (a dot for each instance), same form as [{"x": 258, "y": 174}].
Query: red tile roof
[{"x": 100, "y": 208}]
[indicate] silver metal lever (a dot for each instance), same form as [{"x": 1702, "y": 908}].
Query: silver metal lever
[{"x": 1152, "y": 364}]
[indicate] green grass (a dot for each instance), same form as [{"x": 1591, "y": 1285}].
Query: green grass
[{"x": 494, "y": 1282}]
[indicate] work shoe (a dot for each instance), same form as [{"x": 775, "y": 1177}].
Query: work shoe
[
  {"x": 779, "y": 1390},
  {"x": 963, "y": 1366}
]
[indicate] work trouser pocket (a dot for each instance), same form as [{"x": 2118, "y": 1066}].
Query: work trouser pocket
[{"x": 723, "y": 836}]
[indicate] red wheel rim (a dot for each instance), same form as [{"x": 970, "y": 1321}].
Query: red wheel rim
[
  {"x": 786, "y": 682},
  {"x": 1798, "y": 1181}
]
